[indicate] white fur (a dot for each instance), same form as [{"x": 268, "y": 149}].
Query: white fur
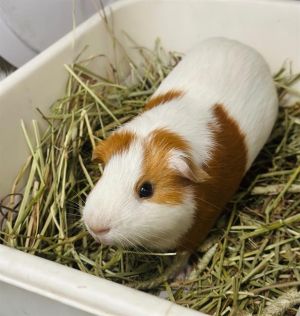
[{"x": 216, "y": 71}]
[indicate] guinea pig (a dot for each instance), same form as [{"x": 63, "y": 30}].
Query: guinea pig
[{"x": 169, "y": 172}]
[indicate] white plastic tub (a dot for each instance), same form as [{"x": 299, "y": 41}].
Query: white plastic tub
[{"x": 33, "y": 286}]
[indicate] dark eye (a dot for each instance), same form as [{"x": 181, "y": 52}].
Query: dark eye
[{"x": 146, "y": 190}]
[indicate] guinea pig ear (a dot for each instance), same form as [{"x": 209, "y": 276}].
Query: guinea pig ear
[{"x": 184, "y": 164}]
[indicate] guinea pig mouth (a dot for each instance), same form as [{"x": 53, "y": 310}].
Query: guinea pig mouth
[{"x": 103, "y": 238}]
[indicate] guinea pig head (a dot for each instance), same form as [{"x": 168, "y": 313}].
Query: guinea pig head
[{"x": 145, "y": 196}]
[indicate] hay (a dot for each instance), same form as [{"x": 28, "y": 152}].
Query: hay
[{"x": 249, "y": 260}]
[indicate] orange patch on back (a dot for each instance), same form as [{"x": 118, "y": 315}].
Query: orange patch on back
[
  {"x": 163, "y": 98},
  {"x": 226, "y": 170},
  {"x": 116, "y": 143},
  {"x": 167, "y": 183}
]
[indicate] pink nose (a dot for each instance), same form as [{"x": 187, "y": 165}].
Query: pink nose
[{"x": 98, "y": 230}]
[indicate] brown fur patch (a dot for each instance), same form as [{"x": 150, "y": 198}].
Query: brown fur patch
[
  {"x": 116, "y": 143},
  {"x": 167, "y": 183},
  {"x": 163, "y": 98},
  {"x": 226, "y": 170}
]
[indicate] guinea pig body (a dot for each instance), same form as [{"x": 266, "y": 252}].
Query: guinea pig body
[{"x": 170, "y": 171}]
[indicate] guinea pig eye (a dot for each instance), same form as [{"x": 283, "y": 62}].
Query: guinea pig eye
[{"x": 146, "y": 190}]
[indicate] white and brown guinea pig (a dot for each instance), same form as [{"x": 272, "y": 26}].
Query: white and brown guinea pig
[{"x": 169, "y": 172}]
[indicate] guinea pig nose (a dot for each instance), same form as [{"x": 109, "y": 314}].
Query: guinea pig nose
[{"x": 100, "y": 230}]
